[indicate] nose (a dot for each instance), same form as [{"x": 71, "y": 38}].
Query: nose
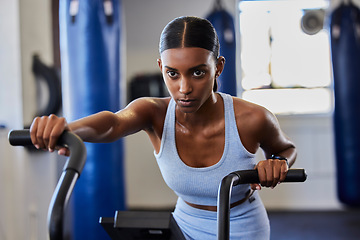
[{"x": 185, "y": 86}]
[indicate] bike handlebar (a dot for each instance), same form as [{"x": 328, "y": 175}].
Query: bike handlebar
[
  {"x": 71, "y": 172},
  {"x": 242, "y": 177},
  {"x": 69, "y": 140}
]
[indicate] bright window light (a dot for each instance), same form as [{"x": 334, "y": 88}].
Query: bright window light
[
  {"x": 292, "y": 101},
  {"x": 291, "y": 67}
]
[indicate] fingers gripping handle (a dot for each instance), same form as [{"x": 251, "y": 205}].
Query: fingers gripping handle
[{"x": 252, "y": 176}]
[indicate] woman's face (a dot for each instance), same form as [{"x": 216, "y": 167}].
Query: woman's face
[{"x": 189, "y": 75}]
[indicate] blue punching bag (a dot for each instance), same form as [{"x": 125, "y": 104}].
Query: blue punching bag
[
  {"x": 90, "y": 61},
  {"x": 345, "y": 48},
  {"x": 224, "y": 25}
]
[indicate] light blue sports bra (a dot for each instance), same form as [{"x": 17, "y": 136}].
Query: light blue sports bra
[{"x": 200, "y": 185}]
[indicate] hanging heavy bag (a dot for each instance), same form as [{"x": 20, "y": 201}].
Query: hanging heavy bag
[
  {"x": 345, "y": 49},
  {"x": 90, "y": 60},
  {"x": 224, "y": 25}
]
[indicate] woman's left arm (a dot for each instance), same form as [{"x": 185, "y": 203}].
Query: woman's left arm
[{"x": 279, "y": 150}]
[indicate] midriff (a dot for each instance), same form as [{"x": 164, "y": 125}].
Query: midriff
[{"x": 214, "y": 208}]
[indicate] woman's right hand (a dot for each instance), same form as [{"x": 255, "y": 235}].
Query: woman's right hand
[{"x": 45, "y": 132}]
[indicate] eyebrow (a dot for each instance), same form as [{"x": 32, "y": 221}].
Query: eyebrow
[{"x": 192, "y": 68}]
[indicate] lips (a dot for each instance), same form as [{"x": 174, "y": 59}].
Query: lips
[{"x": 186, "y": 102}]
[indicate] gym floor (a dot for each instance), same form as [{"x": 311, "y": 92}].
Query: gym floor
[{"x": 309, "y": 225}]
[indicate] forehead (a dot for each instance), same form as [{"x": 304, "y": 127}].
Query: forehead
[{"x": 191, "y": 56}]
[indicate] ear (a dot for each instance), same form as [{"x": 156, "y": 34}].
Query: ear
[
  {"x": 220, "y": 65},
  {"x": 159, "y": 64}
]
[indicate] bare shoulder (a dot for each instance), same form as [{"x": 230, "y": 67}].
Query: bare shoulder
[
  {"x": 258, "y": 127},
  {"x": 255, "y": 123},
  {"x": 251, "y": 113},
  {"x": 149, "y": 112}
]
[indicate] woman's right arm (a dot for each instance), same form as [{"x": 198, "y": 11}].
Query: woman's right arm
[{"x": 104, "y": 126}]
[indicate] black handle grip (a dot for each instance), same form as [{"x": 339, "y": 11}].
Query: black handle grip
[
  {"x": 20, "y": 137},
  {"x": 252, "y": 176},
  {"x": 71, "y": 172},
  {"x": 67, "y": 139},
  {"x": 296, "y": 175}
]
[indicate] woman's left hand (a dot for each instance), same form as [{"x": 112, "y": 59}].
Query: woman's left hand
[{"x": 271, "y": 172}]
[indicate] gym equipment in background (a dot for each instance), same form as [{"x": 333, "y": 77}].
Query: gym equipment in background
[
  {"x": 142, "y": 225},
  {"x": 90, "y": 64},
  {"x": 147, "y": 85},
  {"x": 50, "y": 76},
  {"x": 224, "y": 25},
  {"x": 345, "y": 50},
  {"x": 313, "y": 21}
]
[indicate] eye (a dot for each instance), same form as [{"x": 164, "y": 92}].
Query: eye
[
  {"x": 172, "y": 74},
  {"x": 198, "y": 73}
]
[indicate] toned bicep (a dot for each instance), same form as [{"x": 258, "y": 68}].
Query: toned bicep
[
  {"x": 139, "y": 115},
  {"x": 134, "y": 118}
]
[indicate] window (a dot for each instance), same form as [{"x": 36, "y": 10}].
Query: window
[{"x": 283, "y": 68}]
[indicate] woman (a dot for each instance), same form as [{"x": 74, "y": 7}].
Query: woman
[{"x": 198, "y": 134}]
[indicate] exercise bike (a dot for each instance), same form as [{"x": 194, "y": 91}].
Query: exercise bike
[{"x": 129, "y": 225}]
